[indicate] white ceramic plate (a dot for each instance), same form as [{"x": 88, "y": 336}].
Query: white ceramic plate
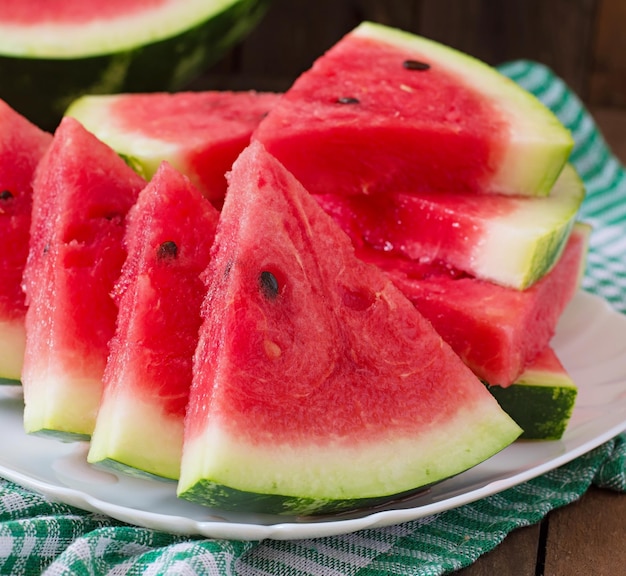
[{"x": 591, "y": 342}]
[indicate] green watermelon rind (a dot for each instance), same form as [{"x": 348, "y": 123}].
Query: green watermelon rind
[
  {"x": 541, "y": 402},
  {"x": 521, "y": 248},
  {"x": 539, "y": 137},
  {"x": 42, "y": 88},
  {"x": 226, "y": 473}
]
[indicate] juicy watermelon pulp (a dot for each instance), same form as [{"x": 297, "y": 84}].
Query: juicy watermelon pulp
[
  {"x": 385, "y": 111},
  {"x": 317, "y": 385},
  {"x": 169, "y": 235},
  {"x": 21, "y": 147},
  {"x": 81, "y": 195},
  {"x": 495, "y": 330}
]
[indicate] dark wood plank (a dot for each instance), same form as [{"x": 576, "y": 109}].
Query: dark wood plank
[
  {"x": 608, "y": 73},
  {"x": 588, "y": 537},
  {"x": 516, "y": 556},
  {"x": 558, "y": 33}
]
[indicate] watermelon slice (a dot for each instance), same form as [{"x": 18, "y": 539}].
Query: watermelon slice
[
  {"x": 497, "y": 331},
  {"x": 199, "y": 133},
  {"x": 21, "y": 147},
  {"x": 387, "y": 111},
  {"x": 317, "y": 385},
  {"x": 542, "y": 399},
  {"x": 56, "y": 50},
  {"x": 512, "y": 241},
  {"x": 148, "y": 374},
  {"x": 81, "y": 195}
]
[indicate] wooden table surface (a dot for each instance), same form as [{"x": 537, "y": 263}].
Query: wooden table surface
[{"x": 588, "y": 537}]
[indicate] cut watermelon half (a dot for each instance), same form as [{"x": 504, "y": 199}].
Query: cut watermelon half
[
  {"x": 81, "y": 195},
  {"x": 317, "y": 384},
  {"x": 199, "y": 133},
  {"x": 496, "y": 330},
  {"x": 169, "y": 235},
  {"x": 386, "y": 111},
  {"x": 512, "y": 241},
  {"x": 21, "y": 147},
  {"x": 57, "y": 50},
  {"x": 542, "y": 399}
]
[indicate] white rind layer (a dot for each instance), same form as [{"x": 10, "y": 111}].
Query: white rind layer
[
  {"x": 136, "y": 433},
  {"x": 60, "y": 404},
  {"x": 539, "y": 144},
  {"x": 387, "y": 465},
  {"x": 101, "y": 36},
  {"x": 12, "y": 345},
  {"x": 522, "y": 246}
]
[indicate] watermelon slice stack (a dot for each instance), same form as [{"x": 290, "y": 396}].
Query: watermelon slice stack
[
  {"x": 450, "y": 179},
  {"x": 398, "y": 231}
]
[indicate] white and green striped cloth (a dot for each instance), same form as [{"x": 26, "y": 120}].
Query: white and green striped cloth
[{"x": 38, "y": 536}]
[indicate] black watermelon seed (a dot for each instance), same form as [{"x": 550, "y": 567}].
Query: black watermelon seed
[
  {"x": 167, "y": 251},
  {"x": 268, "y": 285},
  {"x": 415, "y": 65},
  {"x": 6, "y": 195},
  {"x": 348, "y": 100}
]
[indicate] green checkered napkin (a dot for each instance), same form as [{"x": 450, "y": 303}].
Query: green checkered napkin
[{"x": 38, "y": 536}]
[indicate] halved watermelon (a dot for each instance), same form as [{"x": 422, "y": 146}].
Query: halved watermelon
[
  {"x": 512, "y": 241},
  {"x": 21, "y": 147},
  {"x": 387, "y": 111},
  {"x": 317, "y": 385},
  {"x": 542, "y": 399},
  {"x": 496, "y": 330},
  {"x": 169, "y": 235},
  {"x": 51, "y": 52},
  {"x": 81, "y": 195},
  {"x": 199, "y": 133}
]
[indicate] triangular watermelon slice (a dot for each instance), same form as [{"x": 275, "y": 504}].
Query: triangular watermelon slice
[
  {"x": 169, "y": 236},
  {"x": 387, "y": 111},
  {"x": 318, "y": 386},
  {"x": 22, "y": 145},
  {"x": 81, "y": 195}
]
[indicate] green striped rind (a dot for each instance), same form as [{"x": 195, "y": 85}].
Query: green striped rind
[
  {"x": 214, "y": 495},
  {"x": 323, "y": 476},
  {"x": 521, "y": 247},
  {"x": 540, "y": 401},
  {"x": 540, "y": 144},
  {"x": 110, "y": 465},
  {"x": 9, "y": 381},
  {"x": 42, "y": 88}
]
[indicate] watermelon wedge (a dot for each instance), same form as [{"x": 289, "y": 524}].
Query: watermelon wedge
[
  {"x": 199, "y": 133},
  {"x": 496, "y": 330},
  {"x": 512, "y": 241},
  {"x": 81, "y": 195},
  {"x": 21, "y": 147},
  {"x": 51, "y": 52},
  {"x": 317, "y": 385},
  {"x": 169, "y": 235},
  {"x": 386, "y": 111},
  {"x": 542, "y": 399}
]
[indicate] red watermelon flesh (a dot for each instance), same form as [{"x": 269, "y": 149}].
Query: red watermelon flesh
[
  {"x": 317, "y": 384},
  {"x": 385, "y": 111},
  {"x": 81, "y": 195},
  {"x": 22, "y": 145},
  {"x": 496, "y": 330},
  {"x": 169, "y": 235},
  {"x": 199, "y": 133},
  {"x": 71, "y": 11}
]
